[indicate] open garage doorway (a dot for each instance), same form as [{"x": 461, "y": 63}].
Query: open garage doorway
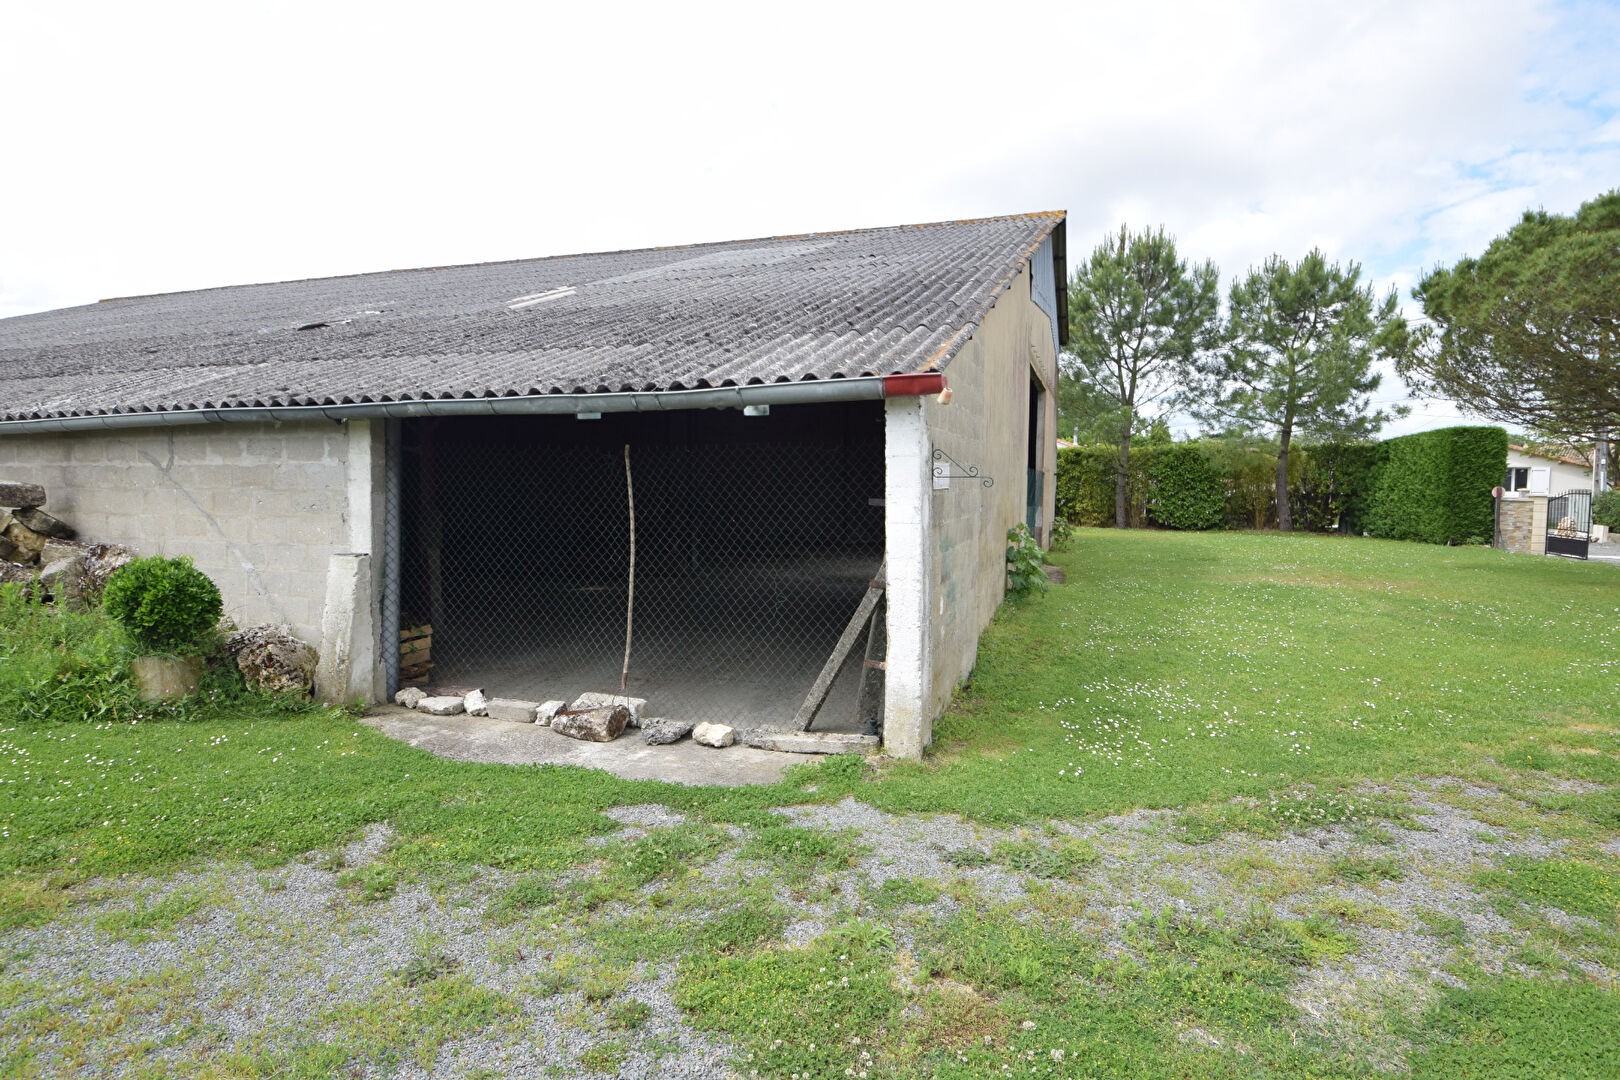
[{"x": 755, "y": 540}]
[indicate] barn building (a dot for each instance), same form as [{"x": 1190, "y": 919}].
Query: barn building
[{"x": 683, "y": 467}]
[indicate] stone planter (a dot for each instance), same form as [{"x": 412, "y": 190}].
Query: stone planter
[{"x": 167, "y": 678}]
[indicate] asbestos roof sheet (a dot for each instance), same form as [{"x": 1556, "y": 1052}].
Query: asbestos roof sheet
[{"x": 819, "y": 306}]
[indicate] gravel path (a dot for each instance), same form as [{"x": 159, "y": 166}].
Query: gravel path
[{"x": 227, "y": 963}]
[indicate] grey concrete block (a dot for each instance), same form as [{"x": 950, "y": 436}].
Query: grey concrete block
[
  {"x": 410, "y": 697},
  {"x": 518, "y": 712},
  {"x": 548, "y": 711},
  {"x": 442, "y": 706},
  {"x": 812, "y": 742}
]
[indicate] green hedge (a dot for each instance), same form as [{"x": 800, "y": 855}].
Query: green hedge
[
  {"x": 1085, "y": 484},
  {"x": 1185, "y": 489},
  {"x": 1334, "y": 486},
  {"x": 1435, "y": 486}
]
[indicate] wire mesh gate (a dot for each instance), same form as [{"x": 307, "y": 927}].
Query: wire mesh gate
[{"x": 752, "y": 547}]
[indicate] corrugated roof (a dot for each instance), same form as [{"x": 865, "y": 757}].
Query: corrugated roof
[{"x": 819, "y": 306}]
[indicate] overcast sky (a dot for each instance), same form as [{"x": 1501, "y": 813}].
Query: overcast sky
[{"x": 161, "y": 146}]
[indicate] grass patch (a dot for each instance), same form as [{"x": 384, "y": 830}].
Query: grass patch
[
  {"x": 967, "y": 858},
  {"x": 1572, "y": 885},
  {"x": 800, "y": 852},
  {"x": 604, "y": 1057},
  {"x": 740, "y": 929},
  {"x": 896, "y": 893},
  {"x": 519, "y": 899},
  {"x": 796, "y": 1010},
  {"x": 1063, "y": 857},
  {"x": 996, "y": 951},
  {"x": 384, "y": 1033},
  {"x": 371, "y": 883},
  {"x": 1359, "y": 869},
  {"x": 627, "y": 1015},
  {"x": 1517, "y": 1027},
  {"x": 145, "y": 921}
]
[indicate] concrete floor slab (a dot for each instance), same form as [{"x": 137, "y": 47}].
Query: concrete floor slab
[{"x": 480, "y": 738}]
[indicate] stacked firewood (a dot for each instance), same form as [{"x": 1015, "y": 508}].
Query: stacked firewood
[{"x": 415, "y": 654}]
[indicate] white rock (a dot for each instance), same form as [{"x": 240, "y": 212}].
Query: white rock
[
  {"x": 410, "y": 697},
  {"x": 476, "y": 703},
  {"x": 442, "y": 706},
  {"x": 716, "y": 735},
  {"x": 593, "y": 700},
  {"x": 548, "y": 711}
]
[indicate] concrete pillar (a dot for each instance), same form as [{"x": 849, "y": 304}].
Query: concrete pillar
[
  {"x": 365, "y": 478},
  {"x": 1538, "y": 524},
  {"x": 908, "y": 482},
  {"x": 346, "y": 671}
]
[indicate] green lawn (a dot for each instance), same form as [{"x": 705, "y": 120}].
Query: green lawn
[{"x": 1262, "y": 690}]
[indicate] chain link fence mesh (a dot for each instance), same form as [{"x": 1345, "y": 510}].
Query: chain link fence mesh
[{"x": 754, "y": 542}]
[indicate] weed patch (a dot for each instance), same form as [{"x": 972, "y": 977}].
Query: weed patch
[
  {"x": 145, "y": 921},
  {"x": 1064, "y": 857}
]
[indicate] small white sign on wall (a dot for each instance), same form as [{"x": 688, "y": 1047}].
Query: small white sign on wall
[{"x": 942, "y": 478}]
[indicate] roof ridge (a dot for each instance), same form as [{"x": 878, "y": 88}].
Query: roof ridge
[{"x": 1054, "y": 215}]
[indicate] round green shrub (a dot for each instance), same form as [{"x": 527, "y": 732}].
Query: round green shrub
[
  {"x": 167, "y": 605},
  {"x": 1606, "y": 509}
]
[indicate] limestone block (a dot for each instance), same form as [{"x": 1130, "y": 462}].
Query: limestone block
[
  {"x": 548, "y": 711},
  {"x": 593, "y": 700},
  {"x": 28, "y": 542},
  {"x": 9, "y": 552},
  {"x": 442, "y": 706},
  {"x": 715, "y": 735},
  {"x": 43, "y": 523},
  {"x": 593, "y": 725},
  {"x": 410, "y": 697},
  {"x": 272, "y": 660},
  {"x": 518, "y": 712},
  {"x": 101, "y": 562},
  {"x": 166, "y": 678},
  {"x": 63, "y": 579},
  {"x": 661, "y": 731},
  {"x": 19, "y": 493},
  {"x": 813, "y": 742},
  {"x": 62, "y": 549},
  {"x": 477, "y": 704}
]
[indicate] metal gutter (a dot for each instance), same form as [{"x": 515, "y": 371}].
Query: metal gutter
[{"x": 803, "y": 392}]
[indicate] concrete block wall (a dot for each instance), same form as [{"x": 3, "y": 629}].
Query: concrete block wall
[
  {"x": 962, "y": 571},
  {"x": 260, "y": 508}
]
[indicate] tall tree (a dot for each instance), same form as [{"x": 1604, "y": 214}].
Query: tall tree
[
  {"x": 1138, "y": 315},
  {"x": 1085, "y": 414},
  {"x": 1300, "y": 349},
  {"x": 1528, "y": 333}
]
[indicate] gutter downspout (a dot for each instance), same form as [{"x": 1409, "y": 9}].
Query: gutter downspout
[{"x": 804, "y": 392}]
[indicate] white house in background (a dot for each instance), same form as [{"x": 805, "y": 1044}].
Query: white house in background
[{"x": 1542, "y": 474}]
